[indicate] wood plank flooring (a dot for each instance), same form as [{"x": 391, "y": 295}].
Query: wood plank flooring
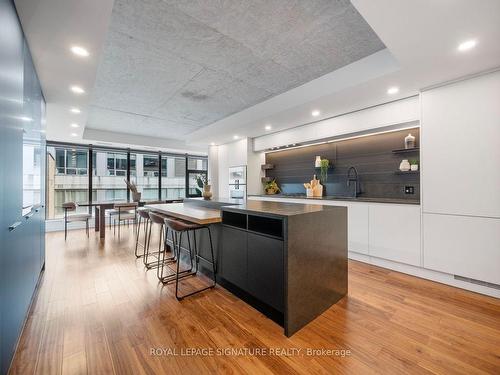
[{"x": 99, "y": 312}]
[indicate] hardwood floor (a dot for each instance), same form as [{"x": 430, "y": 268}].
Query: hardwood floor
[{"x": 99, "y": 312}]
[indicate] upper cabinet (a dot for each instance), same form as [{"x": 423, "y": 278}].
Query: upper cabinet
[{"x": 460, "y": 143}]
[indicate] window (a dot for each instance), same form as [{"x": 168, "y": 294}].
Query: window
[
  {"x": 173, "y": 177},
  {"x": 116, "y": 164},
  {"x": 69, "y": 175},
  {"x": 144, "y": 173},
  {"x": 110, "y": 173},
  {"x": 197, "y": 167},
  {"x": 67, "y": 179}
]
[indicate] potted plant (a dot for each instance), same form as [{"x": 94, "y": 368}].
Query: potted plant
[
  {"x": 324, "y": 165},
  {"x": 203, "y": 186},
  {"x": 414, "y": 165},
  {"x": 271, "y": 187}
]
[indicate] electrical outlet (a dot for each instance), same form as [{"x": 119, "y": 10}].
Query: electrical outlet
[{"x": 409, "y": 189}]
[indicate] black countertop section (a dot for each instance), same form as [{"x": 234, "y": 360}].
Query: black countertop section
[
  {"x": 277, "y": 208},
  {"x": 342, "y": 198}
]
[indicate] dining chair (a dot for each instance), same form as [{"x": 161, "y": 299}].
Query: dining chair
[
  {"x": 125, "y": 212},
  {"x": 72, "y": 206}
]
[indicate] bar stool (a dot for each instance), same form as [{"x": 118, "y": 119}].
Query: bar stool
[
  {"x": 143, "y": 214},
  {"x": 178, "y": 228},
  {"x": 159, "y": 219}
]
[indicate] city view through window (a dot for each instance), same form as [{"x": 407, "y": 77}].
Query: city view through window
[{"x": 68, "y": 176}]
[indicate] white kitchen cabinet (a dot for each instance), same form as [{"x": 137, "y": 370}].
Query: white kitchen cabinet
[
  {"x": 463, "y": 245},
  {"x": 460, "y": 147},
  {"x": 394, "y": 233},
  {"x": 357, "y": 227}
]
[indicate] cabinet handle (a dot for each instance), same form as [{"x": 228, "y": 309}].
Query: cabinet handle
[{"x": 14, "y": 226}]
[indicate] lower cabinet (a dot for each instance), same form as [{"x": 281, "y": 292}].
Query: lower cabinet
[
  {"x": 254, "y": 263},
  {"x": 234, "y": 256},
  {"x": 357, "y": 226},
  {"x": 266, "y": 269},
  {"x": 463, "y": 245},
  {"x": 394, "y": 233}
]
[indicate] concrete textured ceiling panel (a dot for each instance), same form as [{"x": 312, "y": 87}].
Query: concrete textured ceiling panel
[
  {"x": 181, "y": 65},
  {"x": 123, "y": 122}
]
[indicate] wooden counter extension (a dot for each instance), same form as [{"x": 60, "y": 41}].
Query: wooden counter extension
[{"x": 190, "y": 212}]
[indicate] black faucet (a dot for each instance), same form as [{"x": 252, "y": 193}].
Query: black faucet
[{"x": 352, "y": 175}]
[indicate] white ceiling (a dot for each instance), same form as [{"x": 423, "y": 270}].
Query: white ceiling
[
  {"x": 51, "y": 28},
  {"x": 421, "y": 39},
  {"x": 171, "y": 67}
]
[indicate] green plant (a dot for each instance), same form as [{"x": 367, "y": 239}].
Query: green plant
[
  {"x": 324, "y": 170},
  {"x": 271, "y": 187},
  {"x": 414, "y": 162},
  {"x": 201, "y": 180}
]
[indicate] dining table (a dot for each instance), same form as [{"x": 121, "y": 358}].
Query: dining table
[{"x": 100, "y": 208}]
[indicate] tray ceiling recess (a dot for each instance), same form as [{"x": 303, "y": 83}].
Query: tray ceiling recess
[{"x": 171, "y": 67}]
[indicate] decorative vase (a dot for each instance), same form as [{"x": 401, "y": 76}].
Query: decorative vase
[
  {"x": 414, "y": 167},
  {"x": 317, "y": 163},
  {"x": 409, "y": 141},
  {"x": 136, "y": 197},
  {"x": 206, "y": 194},
  {"x": 404, "y": 166}
]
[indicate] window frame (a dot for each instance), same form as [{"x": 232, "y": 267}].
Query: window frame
[{"x": 90, "y": 149}]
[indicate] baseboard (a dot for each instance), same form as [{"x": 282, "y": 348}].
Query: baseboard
[{"x": 440, "y": 277}]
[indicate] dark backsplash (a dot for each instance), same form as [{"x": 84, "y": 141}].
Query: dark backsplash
[{"x": 371, "y": 155}]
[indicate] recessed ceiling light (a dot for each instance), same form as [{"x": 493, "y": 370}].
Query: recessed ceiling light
[
  {"x": 25, "y": 118},
  {"x": 74, "y": 134},
  {"x": 212, "y": 143},
  {"x": 315, "y": 113},
  {"x": 77, "y": 89},
  {"x": 73, "y": 125},
  {"x": 268, "y": 127},
  {"x": 393, "y": 90},
  {"x": 236, "y": 137},
  {"x": 79, "y": 51},
  {"x": 467, "y": 45},
  {"x": 75, "y": 110}
]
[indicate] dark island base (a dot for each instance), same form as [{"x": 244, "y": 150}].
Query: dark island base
[{"x": 273, "y": 314}]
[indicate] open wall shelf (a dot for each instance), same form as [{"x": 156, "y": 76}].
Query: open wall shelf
[
  {"x": 407, "y": 172},
  {"x": 406, "y": 150}
]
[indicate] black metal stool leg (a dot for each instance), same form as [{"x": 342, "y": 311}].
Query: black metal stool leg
[
  {"x": 137, "y": 233},
  {"x": 198, "y": 257}
]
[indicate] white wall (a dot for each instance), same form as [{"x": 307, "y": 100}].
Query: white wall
[
  {"x": 398, "y": 112},
  {"x": 233, "y": 154},
  {"x": 213, "y": 169},
  {"x": 230, "y": 155},
  {"x": 254, "y": 170}
]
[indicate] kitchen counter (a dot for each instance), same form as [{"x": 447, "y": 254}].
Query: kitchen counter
[
  {"x": 342, "y": 198},
  {"x": 191, "y": 212},
  {"x": 281, "y": 209}
]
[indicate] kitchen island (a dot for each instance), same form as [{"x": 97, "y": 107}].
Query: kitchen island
[
  {"x": 291, "y": 257},
  {"x": 287, "y": 260}
]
